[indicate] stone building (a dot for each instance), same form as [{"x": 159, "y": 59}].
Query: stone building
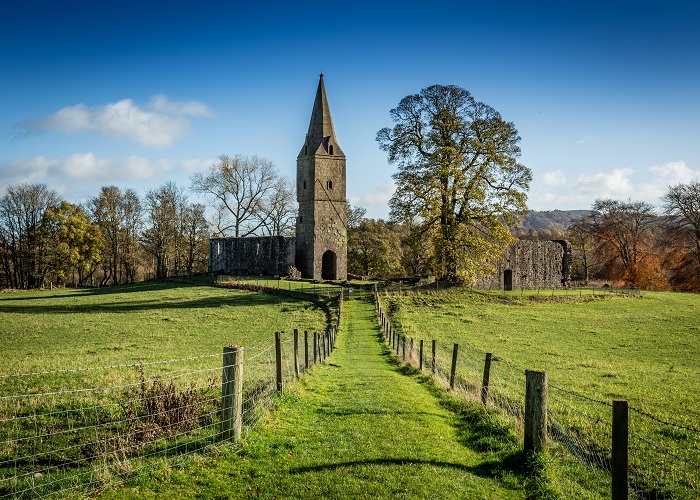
[
  {"x": 321, "y": 229},
  {"x": 530, "y": 265},
  {"x": 320, "y": 249},
  {"x": 270, "y": 255}
]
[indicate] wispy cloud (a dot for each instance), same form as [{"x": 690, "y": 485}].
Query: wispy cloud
[
  {"x": 375, "y": 201},
  {"x": 584, "y": 140},
  {"x": 647, "y": 185},
  {"x": 554, "y": 178},
  {"x": 81, "y": 171},
  {"x": 158, "y": 125}
]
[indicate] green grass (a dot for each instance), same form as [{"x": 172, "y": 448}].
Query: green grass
[
  {"x": 644, "y": 349},
  {"x": 173, "y": 333},
  {"x": 356, "y": 427},
  {"x": 151, "y": 321}
]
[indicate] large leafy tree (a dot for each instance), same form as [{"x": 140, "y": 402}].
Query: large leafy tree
[
  {"x": 458, "y": 176},
  {"x": 374, "y": 249},
  {"x": 75, "y": 243}
]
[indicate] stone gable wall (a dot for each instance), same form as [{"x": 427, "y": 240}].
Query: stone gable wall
[
  {"x": 533, "y": 265},
  {"x": 269, "y": 255}
]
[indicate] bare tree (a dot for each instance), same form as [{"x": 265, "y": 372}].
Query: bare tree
[
  {"x": 682, "y": 227},
  {"x": 240, "y": 185},
  {"x": 195, "y": 231},
  {"x": 177, "y": 232},
  {"x": 24, "y": 248},
  {"x": 161, "y": 238},
  {"x": 118, "y": 215},
  {"x": 279, "y": 209},
  {"x": 623, "y": 232}
]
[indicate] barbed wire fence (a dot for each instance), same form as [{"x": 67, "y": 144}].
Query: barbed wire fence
[
  {"x": 66, "y": 433},
  {"x": 595, "y": 452}
]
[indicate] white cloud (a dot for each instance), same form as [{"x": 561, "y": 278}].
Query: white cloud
[
  {"x": 158, "y": 125},
  {"x": 675, "y": 172},
  {"x": 584, "y": 140},
  {"x": 82, "y": 172},
  {"x": 621, "y": 183},
  {"x": 606, "y": 185},
  {"x": 554, "y": 178},
  {"x": 378, "y": 198}
]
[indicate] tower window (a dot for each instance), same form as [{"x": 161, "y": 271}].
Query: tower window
[
  {"x": 306, "y": 150},
  {"x": 304, "y": 184},
  {"x": 330, "y": 149},
  {"x": 300, "y": 219},
  {"x": 329, "y": 185}
]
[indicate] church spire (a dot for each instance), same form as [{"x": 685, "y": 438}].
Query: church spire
[{"x": 320, "y": 139}]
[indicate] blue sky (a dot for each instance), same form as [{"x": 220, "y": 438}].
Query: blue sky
[{"x": 605, "y": 95}]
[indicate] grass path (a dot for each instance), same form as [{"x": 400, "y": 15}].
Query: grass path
[{"x": 356, "y": 428}]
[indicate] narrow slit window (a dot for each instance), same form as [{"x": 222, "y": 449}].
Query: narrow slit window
[
  {"x": 304, "y": 184},
  {"x": 330, "y": 149},
  {"x": 329, "y": 185},
  {"x": 306, "y": 150}
]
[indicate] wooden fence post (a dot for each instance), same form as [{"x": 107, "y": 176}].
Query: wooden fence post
[
  {"x": 432, "y": 363},
  {"x": 453, "y": 370},
  {"x": 306, "y": 350},
  {"x": 296, "y": 353},
  {"x": 485, "y": 379},
  {"x": 323, "y": 345},
  {"x": 535, "y": 411},
  {"x": 403, "y": 347},
  {"x": 278, "y": 360},
  {"x": 410, "y": 349},
  {"x": 420, "y": 355},
  {"x": 315, "y": 347},
  {"x": 232, "y": 393},
  {"x": 620, "y": 437},
  {"x": 398, "y": 342}
]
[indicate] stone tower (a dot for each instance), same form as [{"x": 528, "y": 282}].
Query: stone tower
[{"x": 321, "y": 234}]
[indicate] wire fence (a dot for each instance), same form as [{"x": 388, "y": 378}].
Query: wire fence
[
  {"x": 68, "y": 433},
  {"x": 662, "y": 458}
]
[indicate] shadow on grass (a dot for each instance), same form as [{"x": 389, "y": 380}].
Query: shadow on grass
[
  {"x": 96, "y": 300},
  {"x": 477, "y": 470}
]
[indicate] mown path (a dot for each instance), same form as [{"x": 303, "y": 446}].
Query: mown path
[{"x": 355, "y": 428}]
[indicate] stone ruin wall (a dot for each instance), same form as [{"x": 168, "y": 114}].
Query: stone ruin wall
[
  {"x": 533, "y": 265},
  {"x": 269, "y": 255}
]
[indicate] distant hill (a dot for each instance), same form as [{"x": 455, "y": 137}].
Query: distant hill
[{"x": 548, "y": 224}]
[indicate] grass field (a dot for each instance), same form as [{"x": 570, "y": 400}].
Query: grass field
[
  {"x": 643, "y": 349},
  {"x": 151, "y": 321},
  {"x": 88, "y": 377},
  {"x": 354, "y": 428}
]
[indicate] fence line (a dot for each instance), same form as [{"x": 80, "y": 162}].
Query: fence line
[
  {"x": 87, "y": 438},
  {"x": 579, "y": 429}
]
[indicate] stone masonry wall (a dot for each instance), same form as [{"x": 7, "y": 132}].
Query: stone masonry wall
[
  {"x": 269, "y": 255},
  {"x": 531, "y": 265}
]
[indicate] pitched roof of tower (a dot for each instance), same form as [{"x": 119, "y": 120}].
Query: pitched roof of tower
[{"x": 321, "y": 133}]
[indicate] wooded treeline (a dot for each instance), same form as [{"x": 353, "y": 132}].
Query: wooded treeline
[
  {"x": 117, "y": 237},
  {"x": 626, "y": 243}
]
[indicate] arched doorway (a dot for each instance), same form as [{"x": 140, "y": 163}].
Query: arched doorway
[
  {"x": 507, "y": 279},
  {"x": 328, "y": 265}
]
